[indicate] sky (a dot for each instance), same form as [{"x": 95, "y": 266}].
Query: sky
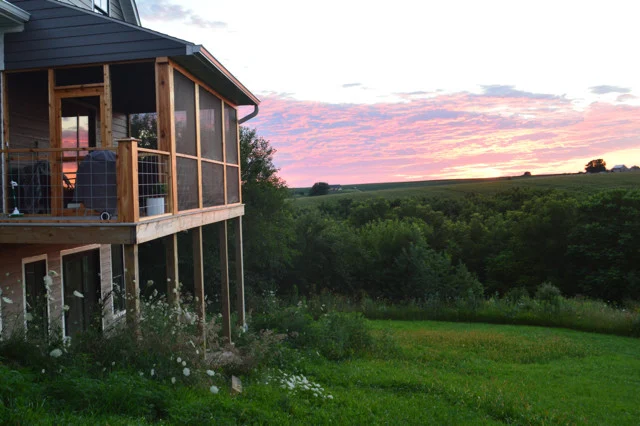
[{"x": 369, "y": 91}]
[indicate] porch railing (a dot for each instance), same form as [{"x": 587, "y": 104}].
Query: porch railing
[{"x": 121, "y": 184}]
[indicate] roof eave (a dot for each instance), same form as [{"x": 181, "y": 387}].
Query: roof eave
[
  {"x": 13, "y": 13},
  {"x": 203, "y": 54}
]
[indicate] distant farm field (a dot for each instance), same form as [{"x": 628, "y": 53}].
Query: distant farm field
[{"x": 461, "y": 187}]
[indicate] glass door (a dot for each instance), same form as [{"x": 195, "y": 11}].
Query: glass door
[{"x": 81, "y": 281}]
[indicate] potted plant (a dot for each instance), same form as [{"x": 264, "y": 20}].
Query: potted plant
[{"x": 156, "y": 199}]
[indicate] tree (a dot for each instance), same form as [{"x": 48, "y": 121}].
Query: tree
[
  {"x": 145, "y": 128},
  {"x": 319, "y": 188},
  {"x": 596, "y": 166},
  {"x": 268, "y": 223}
]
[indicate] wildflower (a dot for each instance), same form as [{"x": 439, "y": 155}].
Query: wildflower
[
  {"x": 173, "y": 380},
  {"x": 53, "y": 273},
  {"x": 149, "y": 283},
  {"x": 140, "y": 373},
  {"x": 43, "y": 371},
  {"x": 184, "y": 363},
  {"x": 179, "y": 360},
  {"x": 113, "y": 363},
  {"x": 186, "y": 372},
  {"x": 56, "y": 353},
  {"x": 7, "y": 300},
  {"x": 211, "y": 373},
  {"x": 153, "y": 372},
  {"x": 76, "y": 293},
  {"x": 214, "y": 389},
  {"x": 48, "y": 281},
  {"x": 28, "y": 317},
  {"x": 330, "y": 396}
]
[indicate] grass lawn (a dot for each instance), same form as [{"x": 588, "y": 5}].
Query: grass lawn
[
  {"x": 435, "y": 373},
  {"x": 458, "y": 188}
]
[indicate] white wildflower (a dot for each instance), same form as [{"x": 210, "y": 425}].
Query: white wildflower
[
  {"x": 153, "y": 372},
  {"x": 179, "y": 360},
  {"x": 7, "y": 300},
  {"x": 184, "y": 363},
  {"x": 214, "y": 389},
  {"x": 76, "y": 293},
  {"x": 48, "y": 282},
  {"x": 43, "y": 371},
  {"x": 65, "y": 308},
  {"x": 330, "y": 396},
  {"x": 53, "y": 273},
  {"x": 211, "y": 373},
  {"x": 140, "y": 373},
  {"x": 186, "y": 372},
  {"x": 113, "y": 363},
  {"x": 56, "y": 353},
  {"x": 173, "y": 380},
  {"x": 28, "y": 317}
]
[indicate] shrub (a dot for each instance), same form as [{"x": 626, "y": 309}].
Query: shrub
[{"x": 548, "y": 293}]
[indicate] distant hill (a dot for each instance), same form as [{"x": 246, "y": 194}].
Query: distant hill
[{"x": 460, "y": 187}]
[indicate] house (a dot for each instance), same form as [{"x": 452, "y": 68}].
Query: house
[
  {"x": 113, "y": 135},
  {"x": 620, "y": 168},
  {"x": 335, "y": 188}
]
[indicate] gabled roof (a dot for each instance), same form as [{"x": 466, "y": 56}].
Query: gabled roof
[{"x": 59, "y": 34}]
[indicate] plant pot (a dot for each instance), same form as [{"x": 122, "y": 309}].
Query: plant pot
[{"x": 155, "y": 206}]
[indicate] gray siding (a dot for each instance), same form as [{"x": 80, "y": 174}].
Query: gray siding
[
  {"x": 115, "y": 10},
  {"x": 85, "y": 4},
  {"x": 119, "y": 126},
  {"x": 28, "y": 100},
  {"x": 58, "y": 35}
]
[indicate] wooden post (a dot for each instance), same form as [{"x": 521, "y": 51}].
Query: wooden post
[
  {"x": 166, "y": 125},
  {"x": 171, "y": 255},
  {"x": 127, "y": 175},
  {"x": 55, "y": 141},
  {"x": 224, "y": 272},
  {"x": 132, "y": 285},
  {"x": 198, "y": 281},
  {"x": 240, "y": 274},
  {"x": 106, "y": 109}
]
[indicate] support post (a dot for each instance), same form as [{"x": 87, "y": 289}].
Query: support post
[
  {"x": 198, "y": 281},
  {"x": 132, "y": 286},
  {"x": 224, "y": 272},
  {"x": 173, "y": 279},
  {"x": 127, "y": 173},
  {"x": 240, "y": 274}
]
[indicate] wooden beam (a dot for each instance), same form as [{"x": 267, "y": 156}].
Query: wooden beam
[
  {"x": 224, "y": 152},
  {"x": 224, "y": 272},
  {"x": 6, "y": 197},
  {"x": 173, "y": 279},
  {"x": 55, "y": 141},
  {"x": 132, "y": 285},
  {"x": 106, "y": 110},
  {"x": 162, "y": 226},
  {"x": 198, "y": 281},
  {"x": 127, "y": 176},
  {"x": 198, "y": 147},
  {"x": 79, "y": 93},
  {"x": 240, "y": 306},
  {"x": 166, "y": 127},
  {"x": 239, "y": 160},
  {"x": 55, "y": 233}
]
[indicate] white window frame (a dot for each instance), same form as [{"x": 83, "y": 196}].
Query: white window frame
[
  {"x": 32, "y": 259},
  {"x": 64, "y": 253},
  {"x": 99, "y": 9}
]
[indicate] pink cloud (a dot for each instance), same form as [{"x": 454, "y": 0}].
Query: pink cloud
[{"x": 500, "y": 132}]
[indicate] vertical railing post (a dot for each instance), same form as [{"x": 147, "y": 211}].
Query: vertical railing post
[{"x": 127, "y": 175}]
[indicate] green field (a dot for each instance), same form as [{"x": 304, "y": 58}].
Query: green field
[
  {"x": 457, "y": 188},
  {"x": 429, "y": 373}
]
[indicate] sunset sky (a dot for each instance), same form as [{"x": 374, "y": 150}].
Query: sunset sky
[{"x": 371, "y": 91}]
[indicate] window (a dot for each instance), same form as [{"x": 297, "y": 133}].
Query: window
[
  {"x": 101, "y": 6},
  {"x": 36, "y": 296},
  {"x": 117, "y": 279}
]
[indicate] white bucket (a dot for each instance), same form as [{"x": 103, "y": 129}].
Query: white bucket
[{"x": 155, "y": 206}]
